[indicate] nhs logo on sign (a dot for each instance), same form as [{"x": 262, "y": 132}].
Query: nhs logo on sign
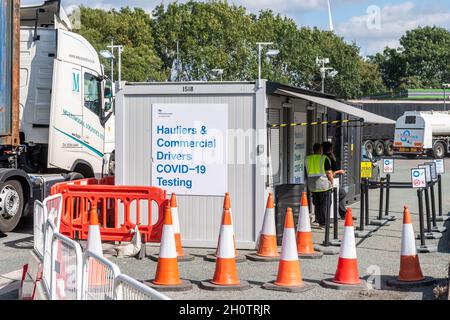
[{"x": 76, "y": 82}]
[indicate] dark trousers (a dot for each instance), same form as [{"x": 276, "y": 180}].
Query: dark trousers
[
  {"x": 322, "y": 204},
  {"x": 342, "y": 208}
]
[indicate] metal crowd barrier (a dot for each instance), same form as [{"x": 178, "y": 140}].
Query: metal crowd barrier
[
  {"x": 53, "y": 207},
  {"x": 40, "y": 218},
  {"x": 99, "y": 276},
  {"x": 127, "y": 288},
  {"x": 49, "y": 230},
  {"x": 67, "y": 263},
  {"x": 68, "y": 274}
]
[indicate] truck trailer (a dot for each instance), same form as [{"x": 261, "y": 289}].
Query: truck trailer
[
  {"x": 423, "y": 133},
  {"x": 52, "y": 114},
  {"x": 379, "y": 140}
]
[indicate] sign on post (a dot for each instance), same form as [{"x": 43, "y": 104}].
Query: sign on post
[
  {"x": 440, "y": 167},
  {"x": 432, "y": 165},
  {"x": 189, "y": 148},
  {"x": 388, "y": 165},
  {"x": 366, "y": 169},
  {"x": 427, "y": 169},
  {"x": 418, "y": 178}
]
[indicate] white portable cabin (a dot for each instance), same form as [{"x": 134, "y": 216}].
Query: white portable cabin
[{"x": 250, "y": 127}]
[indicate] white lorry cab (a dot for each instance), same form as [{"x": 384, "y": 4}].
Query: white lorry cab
[
  {"x": 423, "y": 133},
  {"x": 56, "y": 129},
  {"x": 61, "y": 95}
]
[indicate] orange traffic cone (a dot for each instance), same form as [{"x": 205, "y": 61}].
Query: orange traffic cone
[
  {"x": 267, "y": 245},
  {"x": 305, "y": 247},
  {"x": 97, "y": 276},
  {"x": 225, "y": 275},
  {"x": 181, "y": 256},
  {"x": 410, "y": 274},
  {"x": 289, "y": 276},
  {"x": 167, "y": 275},
  {"x": 94, "y": 242},
  {"x": 212, "y": 257},
  {"x": 346, "y": 276}
]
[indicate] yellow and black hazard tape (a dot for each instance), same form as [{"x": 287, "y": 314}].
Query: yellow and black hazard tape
[{"x": 315, "y": 123}]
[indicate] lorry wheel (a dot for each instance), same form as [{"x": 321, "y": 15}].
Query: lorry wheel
[
  {"x": 378, "y": 148},
  {"x": 389, "y": 148},
  {"x": 369, "y": 146},
  {"x": 438, "y": 150},
  {"x": 11, "y": 205}
]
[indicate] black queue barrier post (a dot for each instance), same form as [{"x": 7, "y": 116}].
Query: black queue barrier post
[
  {"x": 326, "y": 241},
  {"x": 366, "y": 194},
  {"x": 427, "y": 208},
  {"x": 440, "y": 194},
  {"x": 423, "y": 248},
  {"x": 430, "y": 234},
  {"x": 435, "y": 227},
  {"x": 433, "y": 205},
  {"x": 380, "y": 209},
  {"x": 362, "y": 206},
  {"x": 335, "y": 241},
  {"x": 440, "y": 216},
  {"x": 388, "y": 193},
  {"x": 421, "y": 217},
  {"x": 364, "y": 211}
]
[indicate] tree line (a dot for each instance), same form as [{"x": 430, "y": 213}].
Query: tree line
[{"x": 197, "y": 37}]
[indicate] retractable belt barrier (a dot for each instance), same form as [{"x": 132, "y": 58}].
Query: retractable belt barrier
[
  {"x": 429, "y": 216},
  {"x": 119, "y": 208}
]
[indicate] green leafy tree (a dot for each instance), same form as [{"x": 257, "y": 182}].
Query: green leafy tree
[
  {"x": 131, "y": 28},
  {"x": 422, "y": 60},
  {"x": 218, "y": 35}
]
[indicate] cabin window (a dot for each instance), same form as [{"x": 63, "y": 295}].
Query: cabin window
[
  {"x": 92, "y": 93},
  {"x": 410, "y": 120}
]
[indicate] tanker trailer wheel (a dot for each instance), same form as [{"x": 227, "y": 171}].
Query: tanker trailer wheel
[
  {"x": 369, "y": 147},
  {"x": 389, "y": 148},
  {"x": 11, "y": 205},
  {"x": 438, "y": 150},
  {"x": 378, "y": 148}
]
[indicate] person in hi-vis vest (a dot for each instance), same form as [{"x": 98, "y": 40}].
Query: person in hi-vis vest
[{"x": 320, "y": 181}]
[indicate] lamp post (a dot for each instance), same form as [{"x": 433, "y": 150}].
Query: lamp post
[
  {"x": 270, "y": 53},
  {"x": 119, "y": 50}
]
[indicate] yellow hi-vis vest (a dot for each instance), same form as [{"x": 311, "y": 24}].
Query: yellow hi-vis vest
[{"x": 317, "y": 177}]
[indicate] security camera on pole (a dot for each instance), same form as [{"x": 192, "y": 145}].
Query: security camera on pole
[{"x": 325, "y": 71}]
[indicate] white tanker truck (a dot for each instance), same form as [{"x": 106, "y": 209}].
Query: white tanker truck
[{"x": 423, "y": 133}]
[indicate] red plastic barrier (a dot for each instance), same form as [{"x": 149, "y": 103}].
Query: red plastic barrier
[{"x": 82, "y": 196}]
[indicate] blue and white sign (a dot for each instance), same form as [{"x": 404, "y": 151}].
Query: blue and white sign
[
  {"x": 418, "y": 178},
  {"x": 427, "y": 169},
  {"x": 440, "y": 167},
  {"x": 433, "y": 170},
  {"x": 388, "y": 165},
  {"x": 189, "y": 148}
]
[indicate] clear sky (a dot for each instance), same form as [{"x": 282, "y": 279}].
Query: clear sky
[{"x": 372, "y": 24}]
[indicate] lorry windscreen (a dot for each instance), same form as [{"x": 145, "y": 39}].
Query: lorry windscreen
[{"x": 410, "y": 120}]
